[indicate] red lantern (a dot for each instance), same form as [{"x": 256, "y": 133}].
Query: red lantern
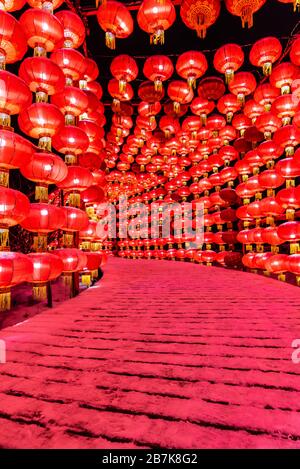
[
  {"x": 158, "y": 68},
  {"x": 15, "y": 152},
  {"x": 74, "y": 29},
  {"x": 228, "y": 105},
  {"x": 44, "y": 169},
  {"x": 14, "y": 96},
  {"x": 14, "y": 208},
  {"x": 265, "y": 52},
  {"x": 43, "y": 30},
  {"x": 46, "y": 267},
  {"x": 72, "y": 63},
  {"x": 115, "y": 19},
  {"x": 77, "y": 180},
  {"x": 71, "y": 141},
  {"x": 265, "y": 95},
  {"x": 211, "y": 88},
  {"x": 148, "y": 93},
  {"x": 155, "y": 17},
  {"x": 287, "y": 137},
  {"x": 42, "y": 121},
  {"x": 243, "y": 84},
  {"x": 75, "y": 220},
  {"x": 200, "y": 14},
  {"x": 14, "y": 268},
  {"x": 42, "y": 219},
  {"x": 244, "y": 9},
  {"x": 124, "y": 69},
  {"x": 283, "y": 76},
  {"x": 228, "y": 59},
  {"x": 202, "y": 107},
  {"x": 71, "y": 101},
  {"x": 42, "y": 76},
  {"x": 267, "y": 123},
  {"x": 294, "y": 266},
  {"x": 191, "y": 65},
  {"x": 295, "y": 52},
  {"x": 12, "y": 40}
]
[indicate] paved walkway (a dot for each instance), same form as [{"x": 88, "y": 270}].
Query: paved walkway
[{"x": 157, "y": 354}]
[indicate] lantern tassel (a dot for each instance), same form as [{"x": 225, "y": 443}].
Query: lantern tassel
[
  {"x": 39, "y": 292},
  {"x": 4, "y": 178},
  {"x": 229, "y": 75},
  {"x": 94, "y": 274},
  {"x": 86, "y": 279},
  {"x": 5, "y": 299},
  {"x": 41, "y": 193},
  {"x": 4, "y": 235},
  {"x": 296, "y": 5},
  {"x": 40, "y": 243},
  {"x": 267, "y": 68},
  {"x": 247, "y": 16},
  {"x": 68, "y": 239},
  {"x": 74, "y": 199},
  {"x": 158, "y": 86},
  {"x": 158, "y": 37},
  {"x": 110, "y": 40}
]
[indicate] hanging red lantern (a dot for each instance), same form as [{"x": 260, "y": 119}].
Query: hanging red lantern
[
  {"x": 158, "y": 68},
  {"x": 44, "y": 169},
  {"x": 289, "y": 199},
  {"x": 200, "y": 14},
  {"x": 12, "y": 40},
  {"x": 148, "y": 93},
  {"x": 269, "y": 151},
  {"x": 15, "y": 268},
  {"x": 14, "y": 208},
  {"x": 42, "y": 75},
  {"x": 15, "y": 152},
  {"x": 211, "y": 88},
  {"x": 245, "y": 9},
  {"x": 191, "y": 65},
  {"x": 77, "y": 180},
  {"x": 116, "y": 21},
  {"x": 74, "y": 29},
  {"x": 42, "y": 219},
  {"x": 71, "y": 141},
  {"x": 228, "y": 59},
  {"x": 180, "y": 93},
  {"x": 295, "y": 52},
  {"x": 285, "y": 108},
  {"x": 290, "y": 231},
  {"x": 14, "y": 96},
  {"x": 124, "y": 69},
  {"x": 48, "y": 5},
  {"x": 265, "y": 95},
  {"x": 41, "y": 121},
  {"x": 43, "y": 30},
  {"x": 265, "y": 52},
  {"x": 294, "y": 266},
  {"x": 243, "y": 84},
  {"x": 228, "y": 105},
  {"x": 155, "y": 17},
  {"x": 114, "y": 91},
  {"x": 46, "y": 267},
  {"x": 288, "y": 168},
  {"x": 94, "y": 260},
  {"x": 287, "y": 137},
  {"x": 267, "y": 123},
  {"x": 283, "y": 76},
  {"x": 202, "y": 107},
  {"x": 72, "y": 63},
  {"x": 71, "y": 101},
  {"x": 75, "y": 220}
]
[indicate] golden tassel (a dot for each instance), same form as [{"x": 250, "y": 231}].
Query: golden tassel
[
  {"x": 41, "y": 97},
  {"x": 247, "y": 17},
  {"x": 86, "y": 279},
  {"x": 67, "y": 279},
  {"x": 229, "y": 117},
  {"x": 4, "y": 236},
  {"x": 281, "y": 277},
  {"x": 229, "y": 75},
  {"x": 176, "y": 107},
  {"x": 158, "y": 86},
  {"x": 39, "y": 291},
  {"x": 40, "y": 243},
  {"x": 289, "y": 151},
  {"x": 5, "y": 299},
  {"x": 296, "y": 5},
  {"x": 110, "y": 40},
  {"x": 4, "y": 177},
  {"x": 158, "y": 37},
  {"x": 275, "y": 249},
  {"x": 39, "y": 51},
  {"x": 294, "y": 248},
  {"x": 4, "y": 120},
  {"x": 191, "y": 81},
  {"x": 290, "y": 214},
  {"x": 68, "y": 239},
  {"x": 69, "y": 119},
  {"x": 85, "y": 245},
  {"x": 267, "y": 68},
  {"x": 74, "y": 199},
  {"x": 241, "y": 98},
  {"x": 94, "y": 274},
  {"x": 289, "y": 183},
  {"x": 45, "y": 143},
  {"x": 41, "y": 193},
  {"x": 298, "y": 280},
  {"x": 70, "y": 160},
  {"x": 122, "y": 86},
  {"x": 203, "y": 118}
]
